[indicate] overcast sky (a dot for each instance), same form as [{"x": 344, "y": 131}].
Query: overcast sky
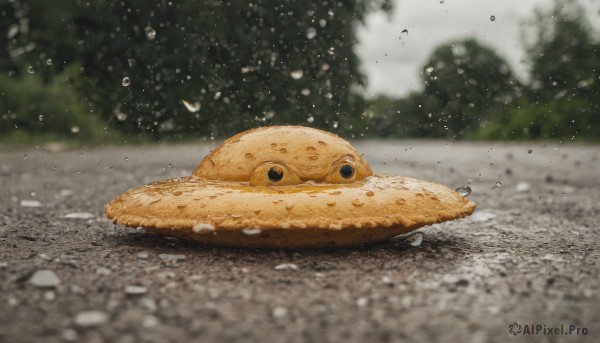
[{"x": 431, "y": 23}]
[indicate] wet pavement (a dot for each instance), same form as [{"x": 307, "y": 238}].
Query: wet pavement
[{"x": 529, "y": 255}]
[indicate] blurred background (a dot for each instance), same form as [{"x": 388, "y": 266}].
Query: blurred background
[{"x": 96, "y": 72}]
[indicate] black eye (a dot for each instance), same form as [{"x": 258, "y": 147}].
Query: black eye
[
  {"x": 275, "y": 174},
  {"x": 347, "y": 171}
]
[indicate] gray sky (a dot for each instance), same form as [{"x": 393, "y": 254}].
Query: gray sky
[{"x": 431, "y": 23}]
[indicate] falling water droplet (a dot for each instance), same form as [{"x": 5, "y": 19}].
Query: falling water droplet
[
  {"x": 404, "y": 32},
  {"x": 331, "y": 51},
  {"x": 463, "y": 191},
  {"x": 497, "y": 185},
  {"x": 75, "y": 129},
  {"x": 357, "y": 202},
  {"x": 30, "y": 70},
  {"x": 126, "y": 82},
  {"x": 493, "y": 18},
  {"x": 310, "y": 119},
  {"x": 297, "y": 74},
  {"x": 195, "y": 107},
  {"x": 120, "y": 116},
  {"x": 311, "y": 33},
  {"x": 305, "y": 91},
  {"x": 150, "y": 33},
  {"x": 335, "y": 124},
  {"x": 529, "y": 151},
  {"x": 49, "y": 62}
]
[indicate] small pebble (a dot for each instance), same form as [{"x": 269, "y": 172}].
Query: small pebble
[
  {"x": 44, "y": 257},
  {"x": 103, "y": 271},
  {"x": 522, "y": 187},
  {"x": 30, "y": 203},
  {"x": 76, "y": 289},
  {"x": 171, "y": 257},
  {"x": 286, "y": 266},
  {"x": 142, "y": 255},
  {"x": 12, "y": 301},
  {"x": 415, "y": 239},
  {"x": 135, "y": 290},
  {"x": 70, "y": 335},
  {"x": 148, "y": 303},
  {"x": 87, "y": 319},
  {"x": 361, "y": 302},
  {"x": 44, "y": 279},
  {"x": 80, "y": 215},
  {"x": 481, "y": 216},
  {"x": 149, "y": 321},
  {"x": 279, "y": 312},
  {"x": 49, "y": 296}
]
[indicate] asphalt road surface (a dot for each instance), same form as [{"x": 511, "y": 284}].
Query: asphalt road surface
[{"x": 529, "y": 255}]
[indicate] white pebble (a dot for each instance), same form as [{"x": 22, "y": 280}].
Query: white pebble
[
  {"x": 286, "y": 266},
  {"x": 103, "y": 271},
  {"x": 44, "y": 279},
  {"x": 30, "y": 203},
  {"x": 80, "y": 215},
  {"x": 86, "y": 319},
  {"x": 142, "y": 255},
  {"x": 361, "y": 302},
  {"x": 482, "y": 216},
  {"x": 279, "y": 312},
  {"x": 135, "y": 290},
  {"x": 523, "y": 187}
]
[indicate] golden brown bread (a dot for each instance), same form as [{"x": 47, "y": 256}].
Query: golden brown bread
[{"x": 232, "y": 201}]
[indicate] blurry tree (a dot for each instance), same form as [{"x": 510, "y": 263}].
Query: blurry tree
[
  {"x": 35, "y": 110},
  {"x": 563, "y": 52},
  {"x": 40, "y": 37},
  {"x": 466, "y": 83},
  {"x": 199, "y": 67},
  {"x": 394, "y": 117},
  {"x": 562, "y": 98}
]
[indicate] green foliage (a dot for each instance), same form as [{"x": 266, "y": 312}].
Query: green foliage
[
  {"x": 244, "y": 64},
  {"x": 469, "y": 91},
  {"x": 239, "y": 65},
  {"x": 562, "y": 99},
  {"x": 52, "y": 110},
  {"x": 564, "y": 55},
  {"x": 465, "y": 85},
  {"x": 563, "y": 118}
]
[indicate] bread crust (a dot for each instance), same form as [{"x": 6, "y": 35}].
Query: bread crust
[{"x": 233, "y": 209}]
